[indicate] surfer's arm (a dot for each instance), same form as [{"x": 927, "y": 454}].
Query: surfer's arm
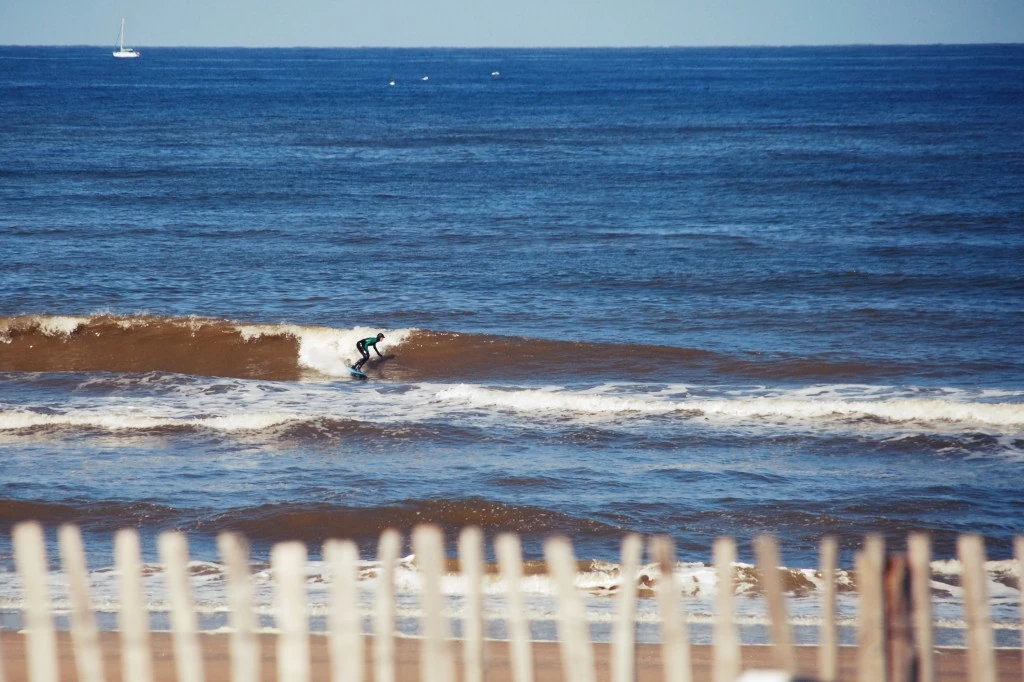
[{"x": 377, "y": 351}]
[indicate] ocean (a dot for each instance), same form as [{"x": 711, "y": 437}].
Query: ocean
[{"x": 694, "y": 292}]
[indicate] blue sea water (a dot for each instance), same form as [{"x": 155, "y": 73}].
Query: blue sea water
[
  {"x": 797, "y": 201},
  {"x": 685, "y": 291}
]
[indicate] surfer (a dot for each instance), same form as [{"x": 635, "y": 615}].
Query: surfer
[{"x": 363, "y": 346}]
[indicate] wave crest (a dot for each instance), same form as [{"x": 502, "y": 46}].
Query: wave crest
[
  {"x": 184, "y": 345},
  {"x": 206, "y": 346}
]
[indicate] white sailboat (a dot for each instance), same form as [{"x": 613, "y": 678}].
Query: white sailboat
[{"x": 123, "y": 52}]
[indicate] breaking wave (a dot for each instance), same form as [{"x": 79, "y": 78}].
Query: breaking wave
[
  {"x": 752, "y": 407},
  {"x": 948, "y": 420},
  {"x": 206, "y": 346},
  {"x": 186, "y": 345}
]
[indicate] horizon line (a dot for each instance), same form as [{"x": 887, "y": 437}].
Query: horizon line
[{"x": 525, "y": 47}]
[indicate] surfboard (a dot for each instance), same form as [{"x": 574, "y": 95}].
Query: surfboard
[{"x": 356, "y": 373}]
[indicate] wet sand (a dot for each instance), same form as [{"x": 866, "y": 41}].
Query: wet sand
[{"x": 951, "y": 663}]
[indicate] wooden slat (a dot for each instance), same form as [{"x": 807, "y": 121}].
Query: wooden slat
[
  {"x": 510, "y": 559},
  {"x": 725, "y": 635},
  {"x": 2, "y": 679},
  {"x": 624, "y": 630},
  {"x": 980, "y": 646},
  {"x": 1019, "y": 553},
  {"x": 187, "y": 654},
  {"x": 243, "y": 644},
  {"x": 871, "y": 636},
  {"x": 471, "y": 563},
  {"x": 828, "y": 652},
  {"x": 919, "y": 556},
  {"x": 436, "y": 663},
  {"x": 384, "y": 623},
  {"x": 675, "y": 635},
  {"x": 136, "y": 660},
  {"x": 288, "y": 561},
  {"x": 84, "y": 633},
  {"x": 288, "y": 564},
  {"x": 344, "y": 620},
  {"x": 768, "y": 564},
  {"x": 33, "y": 569},
  {"x": 573, "y": 631},
  {"x": 1018, "y": 546}
]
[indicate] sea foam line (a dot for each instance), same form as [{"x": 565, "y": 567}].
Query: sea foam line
[
  {"x": 230, "y": 412},
  {"x": 696, "y": 581},
  {"x": 19, "y": 419},
  {"x": 895, "y": 410}
]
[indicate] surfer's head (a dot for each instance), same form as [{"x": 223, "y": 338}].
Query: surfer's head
[{"x": 380, "y": 337}]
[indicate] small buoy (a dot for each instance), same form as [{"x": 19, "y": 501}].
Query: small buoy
[
  {"x": 495, "y": 74},
  {"x": 425, "y": 78},
  {"x": 391, "y": 82}
]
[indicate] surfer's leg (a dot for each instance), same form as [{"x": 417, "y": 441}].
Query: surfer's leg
[{"x": 366, "y": 356}]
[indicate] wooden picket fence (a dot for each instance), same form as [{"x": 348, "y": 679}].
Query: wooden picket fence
[{"x": 894, "y": 632}]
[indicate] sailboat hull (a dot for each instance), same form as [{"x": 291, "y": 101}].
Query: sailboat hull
[{"x": 126, "y": 54}]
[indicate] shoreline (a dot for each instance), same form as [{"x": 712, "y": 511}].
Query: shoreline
[{"x": 950, "y": 664}]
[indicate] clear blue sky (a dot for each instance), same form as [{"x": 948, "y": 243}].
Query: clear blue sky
[{"x": 509, "y": 23}]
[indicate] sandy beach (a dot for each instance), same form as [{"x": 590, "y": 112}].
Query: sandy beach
[{"x": 951, "y": 664}]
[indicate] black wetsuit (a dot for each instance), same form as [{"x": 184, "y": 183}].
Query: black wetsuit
[{"x": 363, "y": 346}]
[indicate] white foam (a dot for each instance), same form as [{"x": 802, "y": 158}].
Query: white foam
[
  {"x": 1007, "y": 567},
  {"x": 50, "y": 325},
  {"x": 19, "y": 419},
  {"x": 553, "y": 400},
  {"x": 327, "y": 350},
  {"x": 60, "y": 325},
  {"x": 241, "y": 404},
  {"x": 227, "y": 405},
  {"x": 893, "y": 410},
  {"x": 743, "y": 406}
]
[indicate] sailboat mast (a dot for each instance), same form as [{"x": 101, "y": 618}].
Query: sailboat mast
[{"x": 121, "y": 52}]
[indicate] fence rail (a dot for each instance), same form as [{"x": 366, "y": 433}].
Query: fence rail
[{"x": 894, "y": 643}]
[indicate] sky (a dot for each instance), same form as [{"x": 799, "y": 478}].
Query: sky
[{"x": 509, "y": 23}]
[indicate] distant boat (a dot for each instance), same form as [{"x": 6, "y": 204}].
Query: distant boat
[{"x": 123, "y": 52}]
